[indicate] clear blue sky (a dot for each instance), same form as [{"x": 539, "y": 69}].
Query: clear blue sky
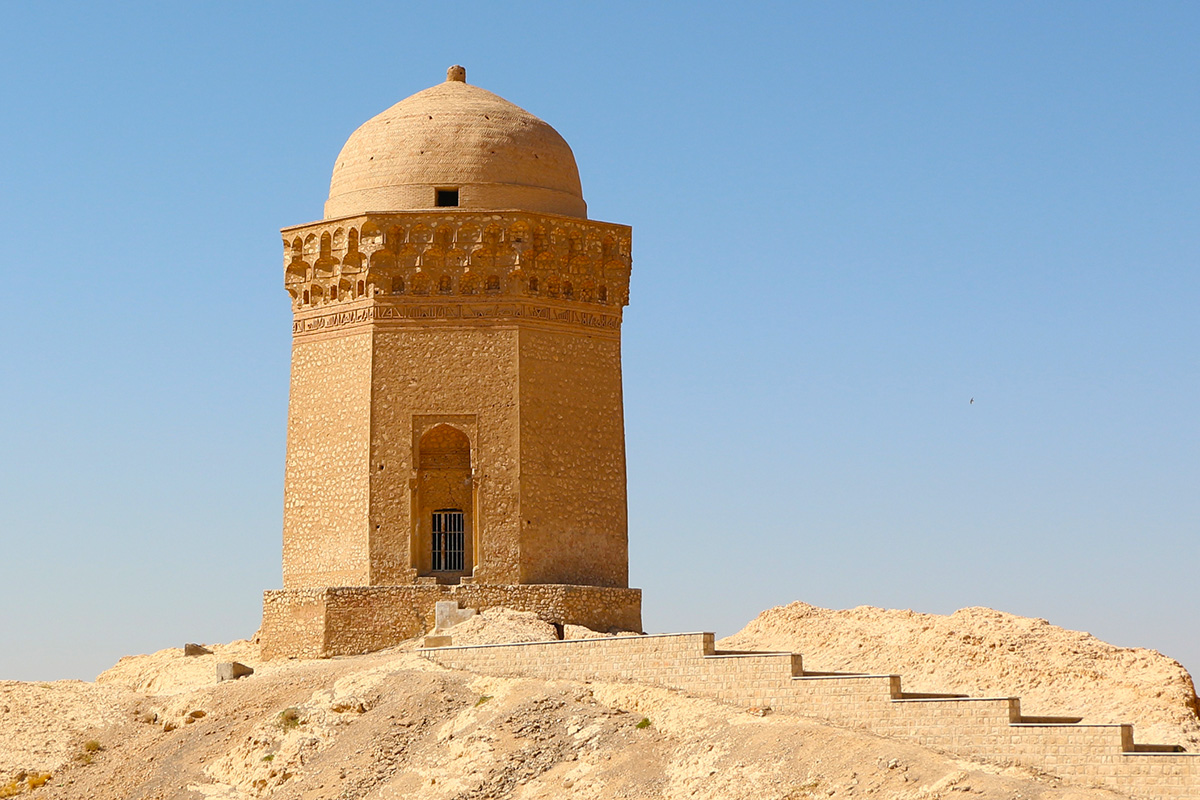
[{"x": 849, "y": 219}]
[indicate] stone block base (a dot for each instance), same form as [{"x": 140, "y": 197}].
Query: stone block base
[{"x": 348, "y": 620}]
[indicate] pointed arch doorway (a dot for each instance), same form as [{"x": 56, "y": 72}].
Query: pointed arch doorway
[{"x": 444, "y": 546}]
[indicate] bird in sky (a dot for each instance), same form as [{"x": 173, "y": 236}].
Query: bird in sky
[{"x": 972, "y": 402}]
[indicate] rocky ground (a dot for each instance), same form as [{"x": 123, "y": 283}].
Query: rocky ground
[{"x": 391, "y": 725}]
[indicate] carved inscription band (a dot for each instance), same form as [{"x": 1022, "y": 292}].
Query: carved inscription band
[{"x": 456, "y": 311}]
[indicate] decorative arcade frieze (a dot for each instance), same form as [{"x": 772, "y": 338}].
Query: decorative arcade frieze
[{"x": 442, "y": 263}]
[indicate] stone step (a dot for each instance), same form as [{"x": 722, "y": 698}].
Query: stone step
[
  {"x": 988, "y": 728},
  {"x": 1159, "y": 748}
]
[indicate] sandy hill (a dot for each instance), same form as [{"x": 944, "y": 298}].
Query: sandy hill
[
  {"x": 392, "y": 724},
  {"x": 987, "y": 653}
]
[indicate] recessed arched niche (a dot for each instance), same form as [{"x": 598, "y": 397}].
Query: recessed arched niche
[{"x": 443, "y": 544}]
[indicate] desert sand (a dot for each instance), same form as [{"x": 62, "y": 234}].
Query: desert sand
[{"x": 392, "y": 724}]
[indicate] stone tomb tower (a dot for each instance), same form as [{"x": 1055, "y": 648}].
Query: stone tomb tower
[{"x": 455, "y": 424}]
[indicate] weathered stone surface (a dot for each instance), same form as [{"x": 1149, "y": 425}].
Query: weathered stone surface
[
  {"x": 192, "y": 649},
  {"x": 232, "y": 670},
  {"x": 437, "y": 640},
  {"x": 447, "y": 614}
]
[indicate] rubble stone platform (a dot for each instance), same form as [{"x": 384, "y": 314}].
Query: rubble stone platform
[{"x": 348, "y": 620}]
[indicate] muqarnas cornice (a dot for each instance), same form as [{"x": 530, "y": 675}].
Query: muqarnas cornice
[{"x": 462, "y": 263}]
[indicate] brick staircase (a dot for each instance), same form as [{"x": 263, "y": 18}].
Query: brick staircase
[{"x": 987, "y": 728}]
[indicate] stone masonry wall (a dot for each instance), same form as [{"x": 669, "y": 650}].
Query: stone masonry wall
[
  {"x": 326, "y": 479},
  {"x": 990, "y": 729},
  {"x": 503, "y": 326},
  {"x": 293, "y": 624},
  {"x": 573, "y": 510},
  {"x": 465, "y": 377}
]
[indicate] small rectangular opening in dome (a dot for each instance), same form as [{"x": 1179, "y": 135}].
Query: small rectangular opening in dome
[{"x": 447, "y": 198}]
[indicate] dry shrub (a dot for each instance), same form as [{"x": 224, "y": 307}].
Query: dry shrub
[
  {"x": 289, "y": 718},
  {"x": 24, "y": 782}
]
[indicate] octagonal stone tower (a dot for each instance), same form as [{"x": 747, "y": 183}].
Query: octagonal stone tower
[{"x": 455, "y": 423}]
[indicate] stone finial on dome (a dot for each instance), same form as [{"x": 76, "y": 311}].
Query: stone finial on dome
[{"x": 457, "y": 73}]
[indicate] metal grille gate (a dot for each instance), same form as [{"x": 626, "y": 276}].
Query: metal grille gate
[{"x": 448, "y": 540}]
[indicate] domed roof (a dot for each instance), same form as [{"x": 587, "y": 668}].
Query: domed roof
[{"x": 481, "y": 151}]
